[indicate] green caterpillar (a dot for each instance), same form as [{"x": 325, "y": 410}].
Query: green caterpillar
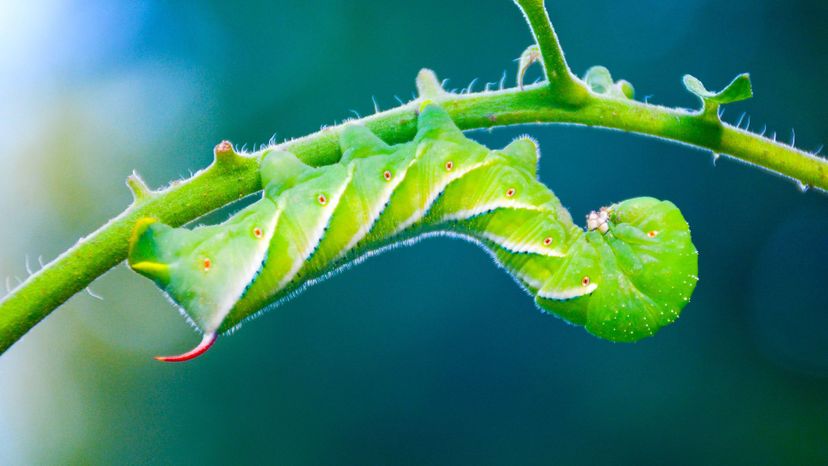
[{"x": 628, "y": 275}]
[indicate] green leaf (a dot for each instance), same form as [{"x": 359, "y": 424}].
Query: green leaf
[
  {"x": 599, "y": 80},
  {"x": 738, "y": 89},
  {"x": 626, "y": 88}
]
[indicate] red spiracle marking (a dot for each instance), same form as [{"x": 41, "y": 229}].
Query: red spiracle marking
[
  {"x": 449, "y": 165},
  {"x": 510, "y": 192},
  {"x": 257, "y": 232},
  {"x": 585, "y": 281},
  {"x": 387, "y": 175},
  {"x": 207, "y": 264},
  {"x": 322, "y": 199}
]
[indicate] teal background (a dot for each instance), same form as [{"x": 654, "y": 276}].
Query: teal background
[{"x": 430, "y": 354}]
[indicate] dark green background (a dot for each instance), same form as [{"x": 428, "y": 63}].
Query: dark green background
[{"x": 431, "y": 354}]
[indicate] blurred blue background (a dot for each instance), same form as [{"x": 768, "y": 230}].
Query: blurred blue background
[{"x": 425, "y": 355}]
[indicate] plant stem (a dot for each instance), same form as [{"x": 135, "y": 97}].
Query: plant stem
[
  {"x": 563, "y": 99},
  {"x": 570, "y": 90},
  {"x": 222, "y": 183}
]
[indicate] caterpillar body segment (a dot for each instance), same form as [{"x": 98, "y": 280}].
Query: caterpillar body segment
[{"x": 628, "y": 275}]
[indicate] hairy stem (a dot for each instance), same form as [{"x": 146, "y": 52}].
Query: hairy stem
[
  {"x": 227, "y": 180},
  {"x": 569, "y": 89},
  {"x": 563, "y": 99}
]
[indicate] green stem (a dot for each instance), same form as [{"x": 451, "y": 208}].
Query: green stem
[
  {"x": 569, "y": 89},
  {"x": 228, "y": 180}
]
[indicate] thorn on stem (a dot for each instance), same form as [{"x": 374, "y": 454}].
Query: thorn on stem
[
  {"x": 140, "y": 190},
  {"x": 224, "y": 153},
  {"x": 223, "y": 148}
]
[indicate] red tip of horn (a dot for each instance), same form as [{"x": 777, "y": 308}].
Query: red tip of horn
[{"x": 206, "y": 343}]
